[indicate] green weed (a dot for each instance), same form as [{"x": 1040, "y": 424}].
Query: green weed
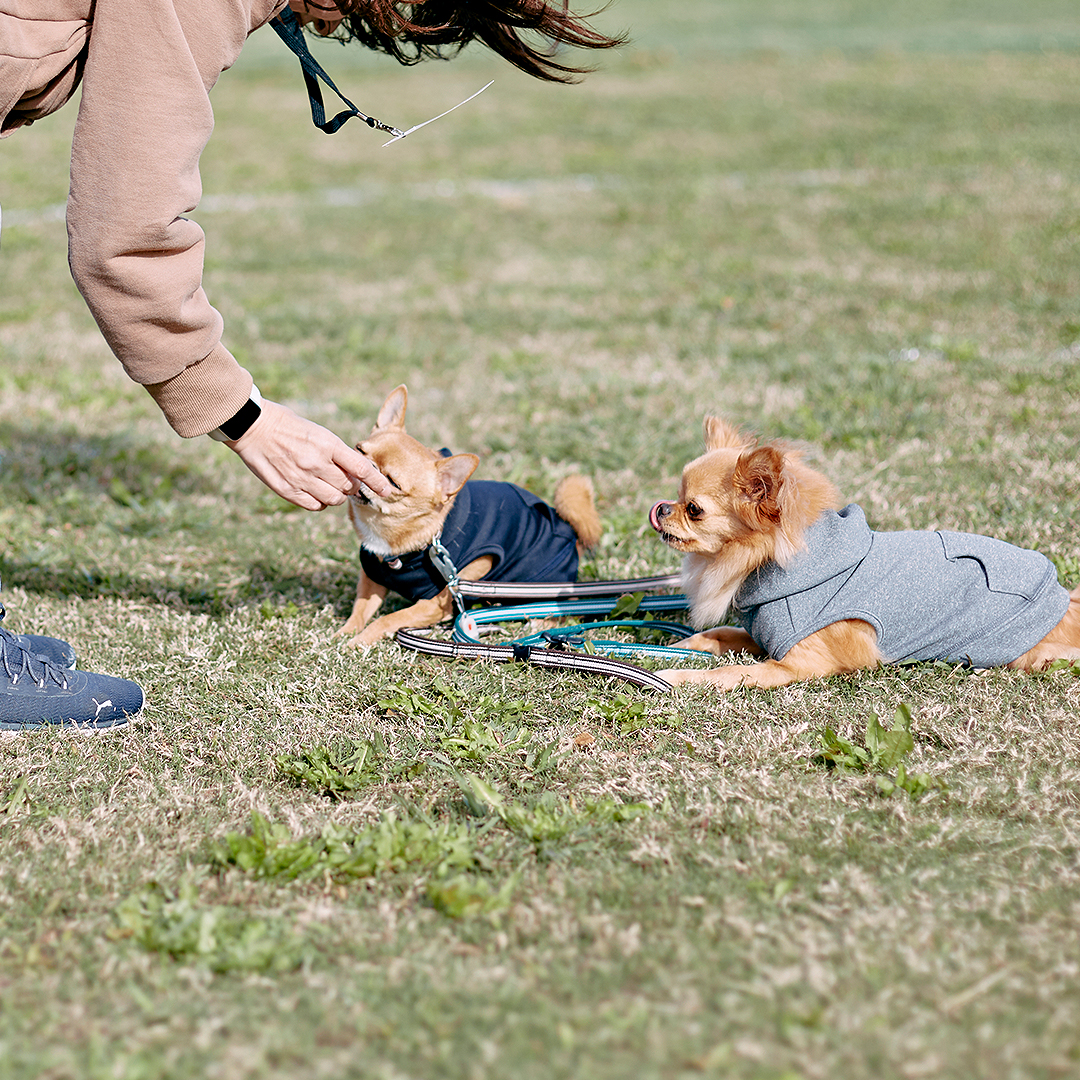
[
  {"x": 626, "y": 714},
  {"x": 482, "y": 743},
  {"x": 178, "y": 924},
  {"x": 407, "y": 703},
  {"x": 17, "y": 799},
  {"x": 1068, "y": 568},
  {"x": 1072, "y": 667},
  {"x": 881, "y": 751},
  {"x": 463, "y": 896},
  {"x": 346, "y": 768},
  {"x": 392, "y": 845},
  {"x": 551, "y": 820}
]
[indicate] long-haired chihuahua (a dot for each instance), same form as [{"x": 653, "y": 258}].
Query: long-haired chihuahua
[{"x": 818, "y": 592}]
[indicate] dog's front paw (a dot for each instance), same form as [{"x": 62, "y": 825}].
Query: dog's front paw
[
  {"x": 365, "y": 639},
  {"x": 675, "y": 676},
  {"x": 704, "y": 642},
  {"x": 721, "y": 678},
  {"x": 722, "y": 640},
  {"x": 356, "y": 643},
  {"x": 355, "y": 625}
]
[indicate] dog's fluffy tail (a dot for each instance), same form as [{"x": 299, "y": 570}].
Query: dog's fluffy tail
[{"x": 575, "y": 503}]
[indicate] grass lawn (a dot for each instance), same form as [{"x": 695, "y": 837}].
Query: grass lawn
[{"x": 852, "y": 225}]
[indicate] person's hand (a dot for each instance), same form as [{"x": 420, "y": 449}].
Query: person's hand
[{"x": 303, "y": 462}]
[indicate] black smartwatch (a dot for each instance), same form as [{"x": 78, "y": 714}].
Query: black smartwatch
[{"x": 238, "y": 424}]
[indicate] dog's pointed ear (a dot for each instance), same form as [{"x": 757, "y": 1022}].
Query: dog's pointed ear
[
  {"x": 452, "y": 472},
  {"x": 719, "y": 434},
  {"x": 759, "y": 481},
  {"x": 392, "y": 414}
]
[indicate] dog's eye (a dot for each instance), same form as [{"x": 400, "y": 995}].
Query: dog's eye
[
  {"x": 390, "y": 480},
  {"x": 693, "y": 511}
]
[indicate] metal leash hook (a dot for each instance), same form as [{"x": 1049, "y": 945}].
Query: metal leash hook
[{"x": 444, "y": 563}]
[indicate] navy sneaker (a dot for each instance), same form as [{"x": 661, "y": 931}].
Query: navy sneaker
[
  {"x": 58, "y": 653},
  {"x": 52, "y": 649},
  {"x": 36, "y": 694}
]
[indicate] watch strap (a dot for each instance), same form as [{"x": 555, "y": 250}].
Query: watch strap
[{"x": 238, "y": 424}]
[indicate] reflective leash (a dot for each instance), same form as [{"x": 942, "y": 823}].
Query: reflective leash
[
  {"x": 565, "y": 590},
  {"x": 559, "y": 659},
  {"x": 566, "y": 598},
  {"x": 467, "y": 625}
]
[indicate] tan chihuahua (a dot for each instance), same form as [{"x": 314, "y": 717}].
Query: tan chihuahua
[
  {"x": 480, "y": 529},
  {"x": 818, "y": 592}
]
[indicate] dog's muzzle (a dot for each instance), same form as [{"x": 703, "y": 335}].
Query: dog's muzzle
[{"x": 659, "y": 513}]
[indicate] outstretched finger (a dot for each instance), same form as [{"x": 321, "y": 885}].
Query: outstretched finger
[{"x": 363, "y": 470}]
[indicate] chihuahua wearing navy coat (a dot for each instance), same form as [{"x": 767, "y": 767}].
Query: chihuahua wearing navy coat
[{"x": 488, "y": 530}]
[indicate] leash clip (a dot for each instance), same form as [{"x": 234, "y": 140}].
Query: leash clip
[
  {"x": 443, "y": 562},
  {"x": 562, "y": 640}
]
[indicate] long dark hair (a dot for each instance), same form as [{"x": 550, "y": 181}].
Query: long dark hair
[{"x": 416, "y": 30}]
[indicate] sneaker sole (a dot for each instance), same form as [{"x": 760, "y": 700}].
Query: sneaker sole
[{"x": 72, "y": 730}]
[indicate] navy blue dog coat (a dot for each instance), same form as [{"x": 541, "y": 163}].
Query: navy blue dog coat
[
  {"x": 524, "y": 535},
  {"x": 929, "y": 595}
]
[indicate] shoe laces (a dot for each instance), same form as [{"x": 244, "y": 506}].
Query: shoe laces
[{"x": 17, "y": 663}]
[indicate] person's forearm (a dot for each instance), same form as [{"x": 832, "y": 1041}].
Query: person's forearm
[{"x": 143, "y": 121}]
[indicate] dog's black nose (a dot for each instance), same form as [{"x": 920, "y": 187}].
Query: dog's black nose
[{"x": 660, "y": 511}]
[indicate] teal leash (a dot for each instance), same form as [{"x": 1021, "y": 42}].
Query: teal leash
[
  {"x": 563, "y": 648},
  {"x": 467, "y": 625}
]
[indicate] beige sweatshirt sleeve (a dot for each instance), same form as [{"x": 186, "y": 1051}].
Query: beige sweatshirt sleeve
[{"x": 143, "y": 121}]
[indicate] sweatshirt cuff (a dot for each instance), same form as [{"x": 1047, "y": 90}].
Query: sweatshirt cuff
[{"x": 204, "y": 396}]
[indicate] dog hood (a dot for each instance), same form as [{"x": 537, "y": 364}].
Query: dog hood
[
  {"x": 836, "y": 544},
  {"x": 929, "y": 595}
]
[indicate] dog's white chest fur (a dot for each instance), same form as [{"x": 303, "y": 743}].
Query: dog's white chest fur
[
  {"x": 710, "y": 589},
  {"x": 370, "y": 540}
]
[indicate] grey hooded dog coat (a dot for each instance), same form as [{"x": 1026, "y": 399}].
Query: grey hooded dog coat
[{"x": 929, "y": 595}]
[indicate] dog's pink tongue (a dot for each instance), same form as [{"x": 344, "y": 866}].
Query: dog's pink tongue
[{"x": 654, "y": 521}]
